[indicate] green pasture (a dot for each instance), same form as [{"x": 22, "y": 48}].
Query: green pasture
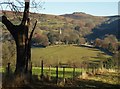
[
  {"x": 65, "y": 54},
  {"x": 108, "y": 77}
]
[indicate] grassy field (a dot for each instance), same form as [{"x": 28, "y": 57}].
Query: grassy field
[
  {"x": 108, "y": 77},
  {"x": 65, "y": 54}
]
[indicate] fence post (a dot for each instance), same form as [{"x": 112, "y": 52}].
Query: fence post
[
  {"x": 49, "y": 72},
  {"x": 73, "y": 72},
  {"x": 41, "y": 76},
  {"x": 8, "y": 68},
  {"x": 88, "y": 67},
  {"x": 63, "y": 72},
  {"x": 81, "y": 69},
  {"x": 56, "y": 74}
]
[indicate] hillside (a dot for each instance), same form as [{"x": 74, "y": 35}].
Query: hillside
[
  {"x": 88, "y": 26},
  {"x": 104, "y": 25},
  {"x": 111, "y": 26}
]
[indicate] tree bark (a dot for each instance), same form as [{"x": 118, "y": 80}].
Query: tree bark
[{"x": 21, "y": 46}]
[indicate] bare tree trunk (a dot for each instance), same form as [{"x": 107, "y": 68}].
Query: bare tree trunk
[{"x": 23, "y": 42}]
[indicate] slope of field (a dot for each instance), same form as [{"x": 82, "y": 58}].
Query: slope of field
[{"x": 65, "y": 54}]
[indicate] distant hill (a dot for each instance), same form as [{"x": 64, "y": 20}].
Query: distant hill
[
  {"x": 111, "y": 26},
  {"x": 78, "y": 15},
  {"x": 105, "y": 24},
  {"x": 88, "y": 26}
]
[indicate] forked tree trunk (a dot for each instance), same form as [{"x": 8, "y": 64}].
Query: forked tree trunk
[
  {"x": 21, "y": 47},
  {"x": 23, "y": 42}
]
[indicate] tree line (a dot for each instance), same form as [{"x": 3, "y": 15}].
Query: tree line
[{"x": 57, "y": 37}]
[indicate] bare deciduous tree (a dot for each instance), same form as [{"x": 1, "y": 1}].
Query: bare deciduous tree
[{"x": 21, "y": 35}]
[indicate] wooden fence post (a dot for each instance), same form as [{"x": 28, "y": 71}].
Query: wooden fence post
[
  {"x": 49, "y": 73},
  {"x": 41, "y": 76},
  {"x": 81, "y": 69},
  {"x": 73, "y": 72},
  {"x": 8, "y": 69},
  {"x": 63, "y": 72},
  {"x": 56, "y": 74},
  {"x": 88, "y": 68}
]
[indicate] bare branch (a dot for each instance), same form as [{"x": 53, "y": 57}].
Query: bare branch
[
  {"x": 26, "y": 13},
  {"x": 18, "y": 6},
  {"x": 11, "y": 28},
  {"x": 7, "y": 23},
  {"x": 32, "y": 31}
]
